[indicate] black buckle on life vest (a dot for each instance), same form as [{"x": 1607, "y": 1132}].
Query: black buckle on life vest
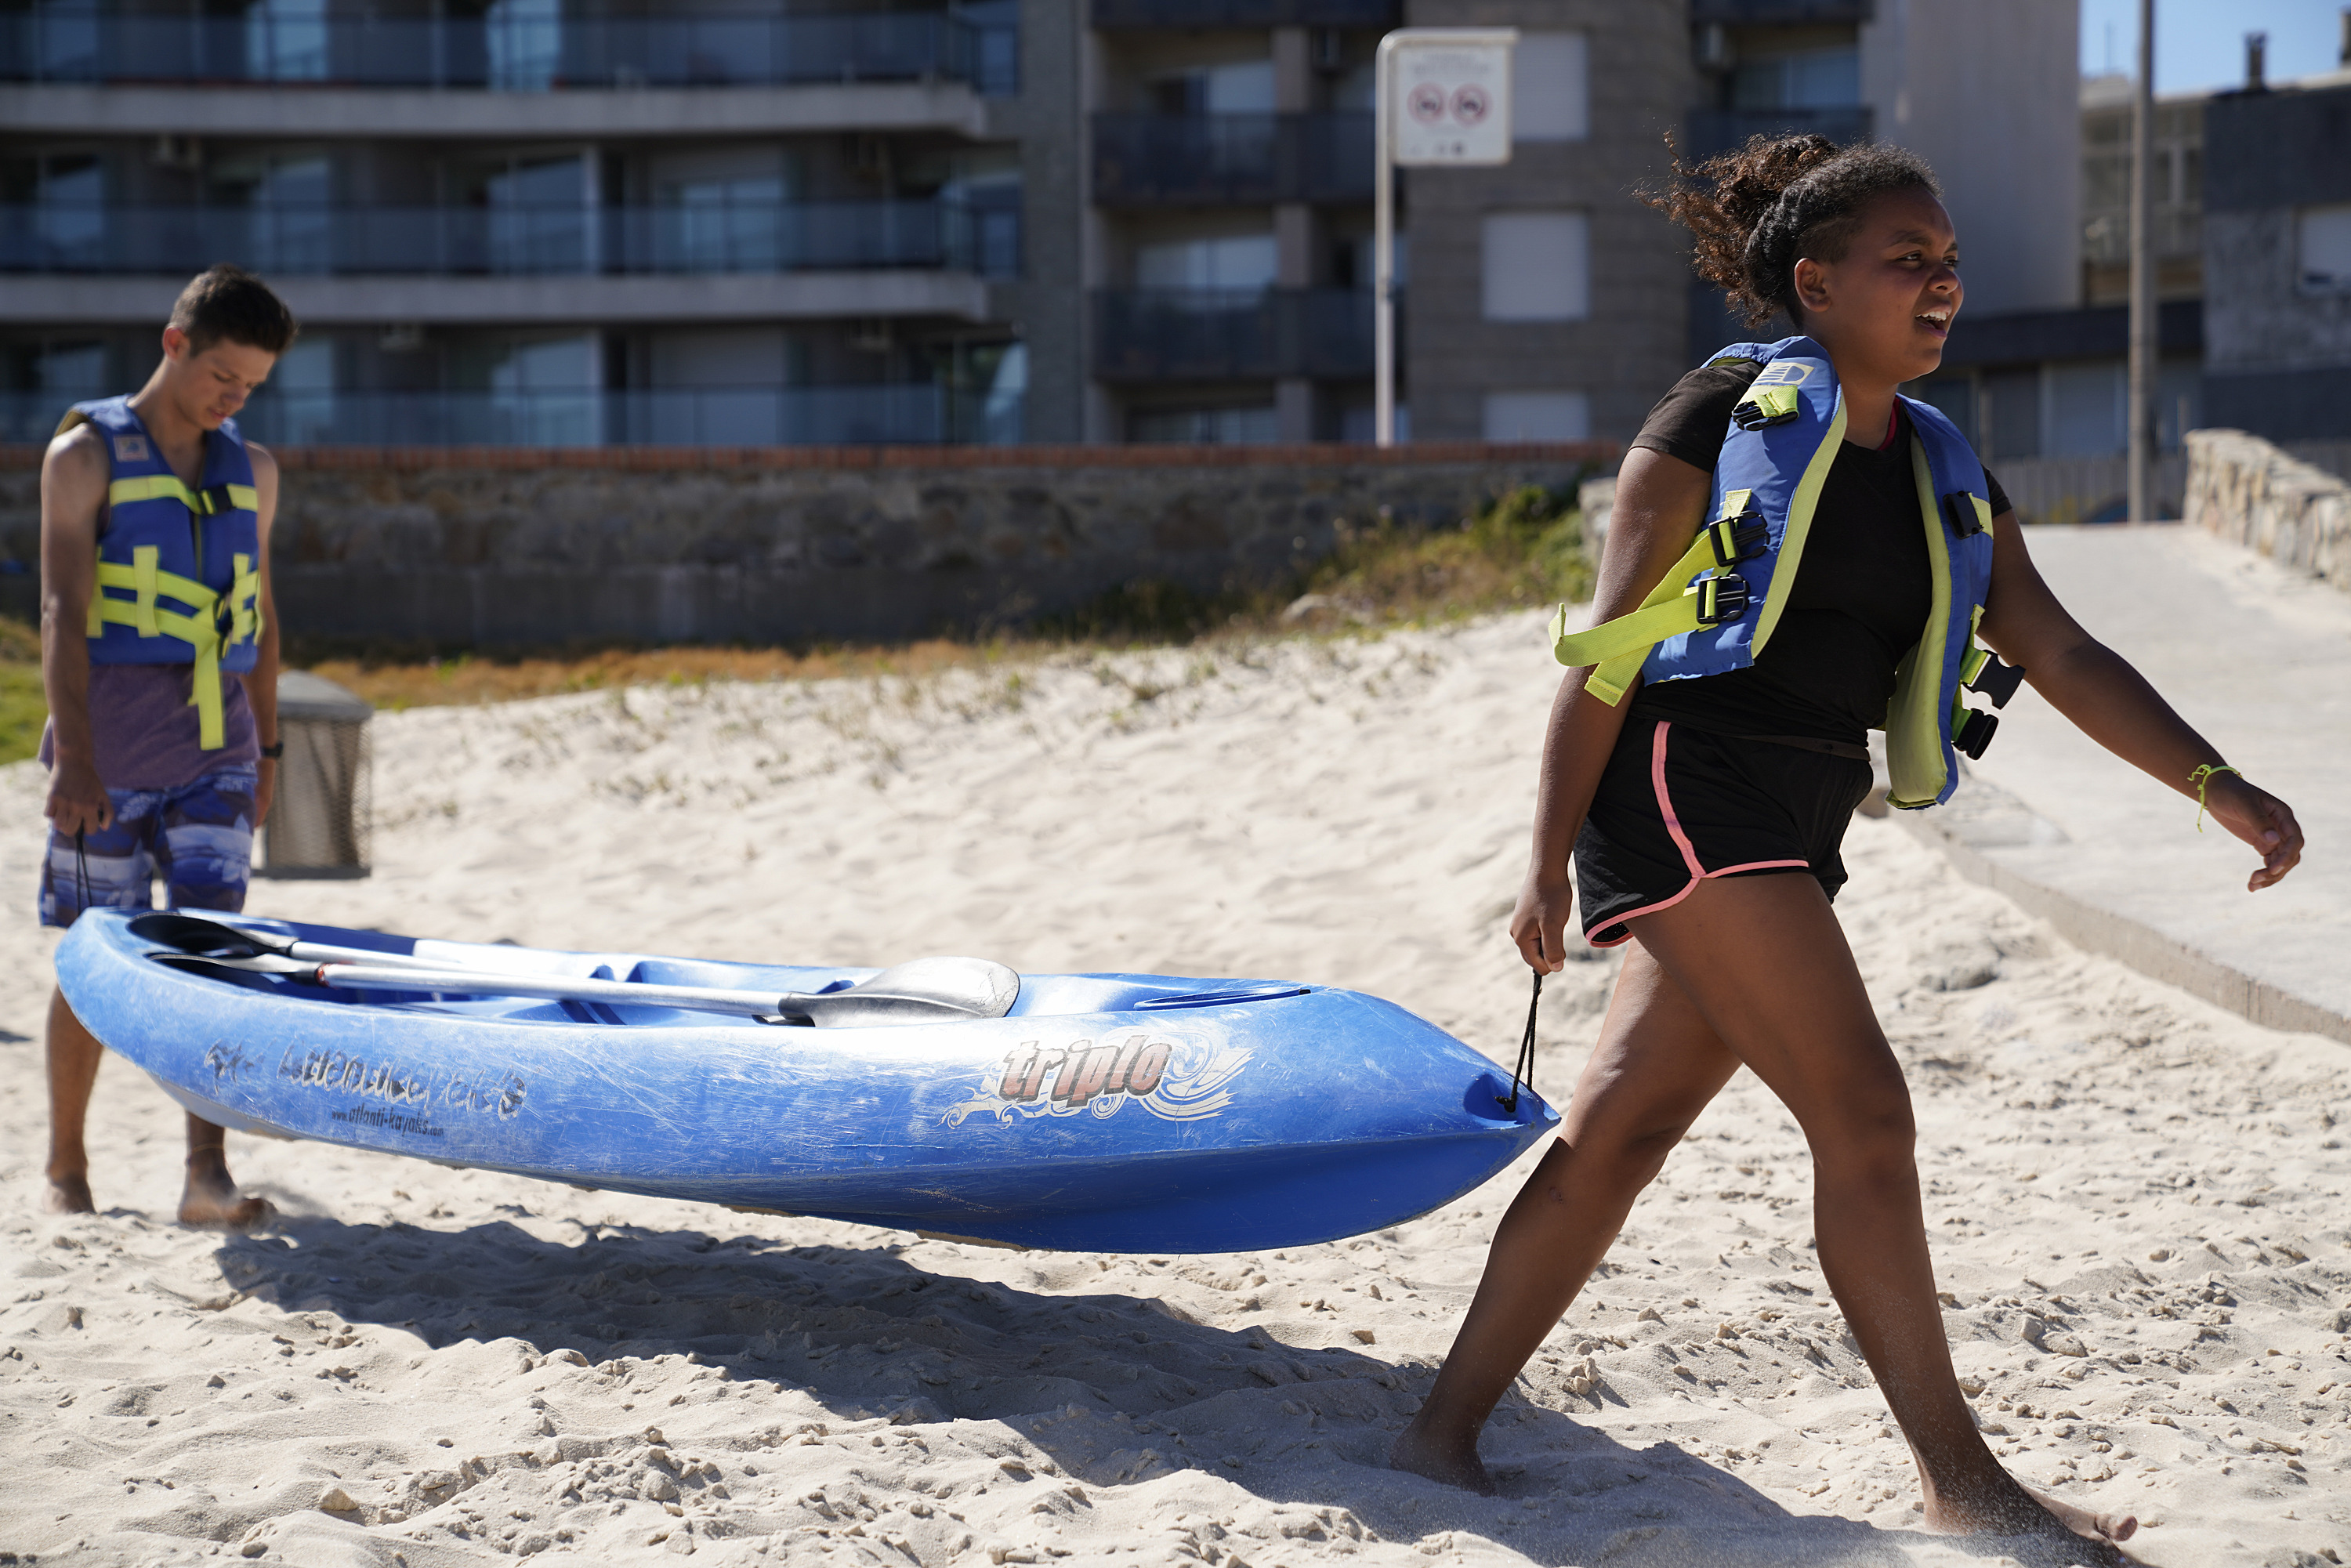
[
  {"x": 1959, "y": 507},
  {"x": 1742, "y": 538},
  {"x": 1975, "y": 733},
  {"x": 1994, "y": 679},
  {"x": 1752, "y": 415},
  {"x": 211, "y": 503},
  {"x": 1721, "y": 599}
]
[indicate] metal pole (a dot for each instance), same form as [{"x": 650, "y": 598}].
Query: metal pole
[
  {"x": 2142, "y": 341},
  {"x": 1383, "y": 246}
]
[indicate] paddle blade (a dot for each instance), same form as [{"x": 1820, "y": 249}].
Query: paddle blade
[
  {"x": 204, "y": 938},
  {"x": 922, "y": 990}
]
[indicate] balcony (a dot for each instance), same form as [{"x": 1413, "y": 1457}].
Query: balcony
[
  {"x": 1219, "y": 334},
  {"x": 1713, "y": 131},
  {"x": 1217, "y": 159},
  {"x": 1380, "y": 15},
  {"x": 975, "y": 44},
  {"x": 904, "y": 414},
  {"x": 527, "y": 240},
  {"x": 1781, "y": 13}
]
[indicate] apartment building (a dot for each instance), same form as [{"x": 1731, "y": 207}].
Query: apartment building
[
  {"x": 2277, "y": 250},
  {"x": 748, "y": 221},
  {"x": 538, "y": 221}
]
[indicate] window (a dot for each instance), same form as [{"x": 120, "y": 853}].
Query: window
[
  {"x": 301, "y": 393},
  {"x": 1814, "y": 78},
  {"x": 1226, "y": 262},
  {"x": 78, "y": 371},
  {"x": 2086, "y": 409},
  {"x": 1210, "y": 426},
  {"x": 526, "y": 43},
  {"x": 1537, "y": 416},
  {"x": 1538, "y": 266},
  {"x": 286, "y": 40},
  {"x": 538, "y": 220},
  {"x": 2011, "y": 404},
  {"x": 1242, "y": 87},
  {"x": 2325, "y": 260},
  {"x": 1954, "y": 397},
  {"x": 1551, "y": 99}
]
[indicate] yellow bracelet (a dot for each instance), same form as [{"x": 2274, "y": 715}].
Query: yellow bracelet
[{"x": 2201, "y": 779}]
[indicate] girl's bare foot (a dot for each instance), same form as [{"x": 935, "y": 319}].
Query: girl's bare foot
[
  {"x": 1456, "y": 1464},
  {"x": 2083, "y": 1522},
  {"x": 2060, "y": 1533}
]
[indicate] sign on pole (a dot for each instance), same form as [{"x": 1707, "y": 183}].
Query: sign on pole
[
  {"x": 1455, "y": 89},
  {"x": 1444, "y": 98}
]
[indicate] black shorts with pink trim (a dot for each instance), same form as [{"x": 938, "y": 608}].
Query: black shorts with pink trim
[{"x": 1677, "y": 805}]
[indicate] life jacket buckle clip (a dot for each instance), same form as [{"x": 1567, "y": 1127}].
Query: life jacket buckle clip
[
  {"x": 1960, "y": 506},
  {"x": 1721, "y": 599},
  {"x": 1765, "y": 406},
  {"x": 1742, "y": 538},
  {"x": 1984, "y": 672},
  {"x": 1975, "y": 732}
]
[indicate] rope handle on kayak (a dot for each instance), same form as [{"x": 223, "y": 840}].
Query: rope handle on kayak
[{"x": 1524, "y": 1068}]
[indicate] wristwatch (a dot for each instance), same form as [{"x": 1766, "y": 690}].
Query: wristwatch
[{"x": 274, "y": 750}]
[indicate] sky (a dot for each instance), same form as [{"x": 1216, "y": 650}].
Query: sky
[{"x": 2201, "y": 43}]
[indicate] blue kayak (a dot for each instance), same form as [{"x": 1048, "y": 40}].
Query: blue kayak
[{"x": 1100, "y": 1113}]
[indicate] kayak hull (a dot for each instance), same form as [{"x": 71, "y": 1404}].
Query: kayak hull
[{"x": 1107, "y": 1113}]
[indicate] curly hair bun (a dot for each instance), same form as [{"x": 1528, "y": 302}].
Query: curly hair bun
[{"x": 1755, "y": 211}]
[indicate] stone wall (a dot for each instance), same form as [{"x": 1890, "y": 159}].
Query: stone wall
[
  {"x": 2250, "y": 493},
  {"x": 484, "y": 547}
]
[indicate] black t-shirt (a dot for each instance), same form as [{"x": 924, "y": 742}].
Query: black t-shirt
[{"x": 1862, "y": 593}]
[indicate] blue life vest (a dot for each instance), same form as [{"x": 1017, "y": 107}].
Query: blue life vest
[
  {"x": 1717, "y": 607},
  {"x": 179, "y": 569}
]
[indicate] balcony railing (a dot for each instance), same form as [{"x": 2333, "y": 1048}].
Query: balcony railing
[
  {"x": 1376, "y": 14},
  {"x": 915, "y": 414},
  {"x": 1779, "y": 12},
  {"x": 569, "y": 238},
  {"x": 1713, "y": 131},
  {"x": 976, "y": 44},
  {"x": 1171, "y": 160},
  {"x": 1215, "y": 334}
]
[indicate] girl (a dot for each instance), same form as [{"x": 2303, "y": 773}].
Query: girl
[{"x": 1754, "y": 771}]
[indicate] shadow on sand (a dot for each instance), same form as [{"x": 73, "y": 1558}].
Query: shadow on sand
[{"x": 868, "y": 1334}]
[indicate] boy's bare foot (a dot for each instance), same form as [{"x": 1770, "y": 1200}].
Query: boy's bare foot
[
  {"x": 69, "y": 1195},
  {"x": 211, "y": 1198},
  {"x": 2060, "y": 1533},
  {"x": 1417, "y": 1452}
]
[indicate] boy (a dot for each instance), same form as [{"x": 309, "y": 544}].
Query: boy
[{"x": 159, "y": 652}]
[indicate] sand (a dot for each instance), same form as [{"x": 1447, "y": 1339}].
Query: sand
[{"x": 2137, "y": 1199}]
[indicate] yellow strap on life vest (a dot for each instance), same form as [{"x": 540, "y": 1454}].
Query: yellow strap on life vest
[
  {"x": 199, "y": 628},
  {"x": 169, "y": 486},
  {"x": 1916, "y": 771},
  {"x": 146, "y": 567},
  {"x": 244, "y": 602},
  {"x": 1618, "y": 649}
]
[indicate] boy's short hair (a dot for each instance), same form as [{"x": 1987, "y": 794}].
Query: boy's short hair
[{"x": 224, "y": 302}]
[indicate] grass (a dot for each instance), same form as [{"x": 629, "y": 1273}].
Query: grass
[
  {"x": 1524, "y": 548},
  {"x": 24, "y": 708}
]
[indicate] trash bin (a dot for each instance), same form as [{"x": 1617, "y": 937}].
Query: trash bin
[{"x": 318, "y": 824}]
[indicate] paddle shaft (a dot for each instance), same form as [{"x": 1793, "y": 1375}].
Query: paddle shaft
[{"x": 556, "y": 987}]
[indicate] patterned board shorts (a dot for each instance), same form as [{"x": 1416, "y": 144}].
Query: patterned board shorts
[{"x": 198, "y": 838}]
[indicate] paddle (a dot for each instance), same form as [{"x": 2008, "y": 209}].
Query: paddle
[
  {"x": 923, "y": 990},
  {"x": 218, "y": 939}
]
